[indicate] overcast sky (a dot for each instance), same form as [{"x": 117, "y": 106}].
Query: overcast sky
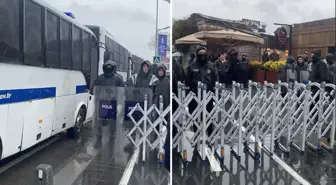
[
  {"x": 268, "y": 11},
  {"x": 131, "y": 22}
]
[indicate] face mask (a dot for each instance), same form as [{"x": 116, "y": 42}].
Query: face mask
[
  {"x": 108, "y": 70},
  {"x": 202, "y": 58}
]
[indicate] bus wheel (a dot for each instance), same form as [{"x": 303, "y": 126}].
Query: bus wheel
[{"x": 73, "y": 132}]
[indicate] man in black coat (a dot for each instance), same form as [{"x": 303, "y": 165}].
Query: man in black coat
[
  {"x": 319, "y": 71},
  {"x": 109, "y": 77},
  {"x": 203, "y": 71}
]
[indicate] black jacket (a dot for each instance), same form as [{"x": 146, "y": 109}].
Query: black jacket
[
  {"x": 178, "y": 74},
  {"x": 224, "y": 71},
  {"x": 205, "y": 73},
  {"x": 164, "y": 86},
  {"x": 331, "y": 69},
  {"x": 274, "y": 57},
  {"x": 143, "y": 80},
  {"x": 265, "y": 57},
  {"x": 288, "y": 66},
  {"x": 299, "y": 68},
  {"x": 113, "y": 79},
  {"x": 319, "y": 71}
]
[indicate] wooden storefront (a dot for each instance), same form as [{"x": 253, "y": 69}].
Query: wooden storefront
[{"x": 314, "y": 35}]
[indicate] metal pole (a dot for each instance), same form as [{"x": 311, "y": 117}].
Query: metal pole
[
  {"x": 290, "y": 40},
  {"x": 156, "y": 27}
]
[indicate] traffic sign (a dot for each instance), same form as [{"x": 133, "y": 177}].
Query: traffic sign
[{"x": 156, "y": 59}]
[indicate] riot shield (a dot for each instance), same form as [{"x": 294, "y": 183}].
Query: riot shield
[
  {"x": 112, "y": 107},
  {"x": 291, "y": 76},
  {"x": 304, "y": 77}
]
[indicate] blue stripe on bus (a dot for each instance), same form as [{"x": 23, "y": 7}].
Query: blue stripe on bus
[
  {"x": 21, "y": 95},
  {"x": 81, "y": 89}
]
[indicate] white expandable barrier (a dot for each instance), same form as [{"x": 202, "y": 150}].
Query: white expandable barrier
[{"x": 272, "y": 115}]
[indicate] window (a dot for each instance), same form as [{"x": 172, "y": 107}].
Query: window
[
  {"x": 53, "y": 41},
  {"x": 86, "y": 52},
  {"x": 33, "y": 34},
  {"x": 65, "y": 45},
  {"x": 94, "y": 62},
  {"x": 116, "y": 54},
  {"x": 77, "y": 48},
  {"x": 10, "y": 31}
]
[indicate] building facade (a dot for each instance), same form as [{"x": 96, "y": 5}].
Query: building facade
[{"x": 313, "y": 35}]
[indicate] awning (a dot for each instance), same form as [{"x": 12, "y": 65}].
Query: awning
[
  {"x": 228, "y": 34},
  {"x": 191, "y": 40}
]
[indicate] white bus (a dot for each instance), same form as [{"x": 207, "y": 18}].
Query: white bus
[
  {"x": 45, "y": 64},
  {"x": 118, "y": 53}
]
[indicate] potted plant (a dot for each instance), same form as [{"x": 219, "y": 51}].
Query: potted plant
[
  {"x": 273, "y": 70},
  {"x": 258, "y": 71}
]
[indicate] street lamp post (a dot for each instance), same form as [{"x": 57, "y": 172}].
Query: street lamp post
[{"x": 290, "y": 36}]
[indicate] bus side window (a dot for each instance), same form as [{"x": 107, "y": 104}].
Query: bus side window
[
  {"x": 33, "y": 47},
  {"x": 77, "y": 48},
  {"x": 11, "y": 36},
  {"x": 53, "y": 41},
  {"x": 65, "y": 44}
]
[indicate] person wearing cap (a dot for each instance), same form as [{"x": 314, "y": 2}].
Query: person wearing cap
[
  {"x": 109, "y": 76},
  {"x": 201, "y": 71}
]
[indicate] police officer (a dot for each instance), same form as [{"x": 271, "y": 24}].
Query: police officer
[
  {"x": 201, "y": 71},
  {"x": 164, "y": 85},
  {"x": 108, "y": 78},
  {"x": 164, "y": 91},
  {"x": 144, "y": 78}
]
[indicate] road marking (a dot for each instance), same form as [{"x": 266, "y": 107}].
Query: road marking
[
  {"x": 285, "y": 166},
  {"x": 215, "y": 166},
  {"x": 129, "y": 168}
]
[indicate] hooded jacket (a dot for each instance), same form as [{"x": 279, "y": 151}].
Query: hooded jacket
[
  {"x": 300, "y": 67},
  {"x": 288, "y": 66},
  {"x": 319, "y": 71},
  {"x": 144, "y": 80},
  {"x": 331, "y": 68},
  {"x": 110, "y": 79},
  {"x": 201, "y": 71},
  {"x": 164, "y": 86}
]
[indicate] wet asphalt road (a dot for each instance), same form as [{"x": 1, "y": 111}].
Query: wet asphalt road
[{"x": 89, "y": 160}]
